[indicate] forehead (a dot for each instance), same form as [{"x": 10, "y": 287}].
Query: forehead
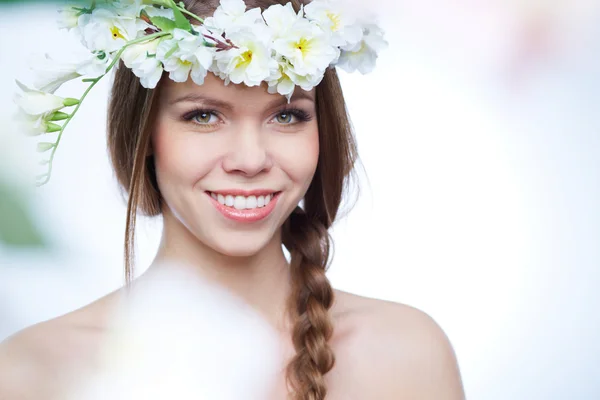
[{"x": 232, "y": 95}]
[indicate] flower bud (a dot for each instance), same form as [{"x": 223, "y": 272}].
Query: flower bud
[
  {"x": 58, "y": 116},
  {"x": 69, "y": 101},
  {"x": 45, "y": 146},
  {"x": 53, "y": 127}
]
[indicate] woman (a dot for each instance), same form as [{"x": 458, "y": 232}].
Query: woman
[{"x": 226, "y": 166}]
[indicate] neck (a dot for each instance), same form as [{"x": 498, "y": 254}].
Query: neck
[{"x": 262, "y": 280}]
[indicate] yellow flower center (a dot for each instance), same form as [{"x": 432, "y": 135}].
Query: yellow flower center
[
  {"x": 303, "y": 45},
  {"x": 245, "y": 59},
  {"x": 335, "y": 20},
  {"x": 116, "y": 33}
]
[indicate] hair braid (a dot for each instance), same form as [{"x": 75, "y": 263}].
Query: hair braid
[{"x": 308, "y": 241}]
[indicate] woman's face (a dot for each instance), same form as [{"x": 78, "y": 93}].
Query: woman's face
[{"x": 236, "y": 145}]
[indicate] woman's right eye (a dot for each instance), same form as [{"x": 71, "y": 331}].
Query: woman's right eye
[{"x": 205, "y": 118}]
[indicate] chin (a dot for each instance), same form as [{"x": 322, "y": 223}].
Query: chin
[{"x": 240, "y": 244}]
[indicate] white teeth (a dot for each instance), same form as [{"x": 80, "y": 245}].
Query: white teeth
[{"x": 241, "y": 202}]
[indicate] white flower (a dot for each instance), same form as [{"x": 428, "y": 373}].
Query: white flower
[
  {"x": 363, "y": 56},
  {"x": 50, "y": 74},
  {"x": 69, "y": 17},
  {"x": 232, "y": 15},
  {"x": 34, "y": 125},
  {"x": 280, "y": 18},
  {"x": 183, "y": 54},
  {"x": 37, "y": 108},
  {"x": 136, "y": 53},
  {"x": 251, "y": 62},
  {"x": 142, "y": 60},
  {"x": 149, "y": 71},
  {"x": 95, "y": 65},
  {"x": 285, "y": 80},
  {"x": 104, "y": 30},
  {"x": 335, "y": 19},
  {"x": 37, "y": 103},
  {"x": 284, "y": 86},
  {"x": 307, "y": 48}
]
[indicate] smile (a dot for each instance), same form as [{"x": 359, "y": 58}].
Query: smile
[
  {"x": 244, "y": 207},
  {"x": 241, "y": 202}
]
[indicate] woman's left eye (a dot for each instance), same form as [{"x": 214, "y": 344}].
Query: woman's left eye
[
  {"x": 284, "y": 118},
  {"x": 292, "y": 117}
]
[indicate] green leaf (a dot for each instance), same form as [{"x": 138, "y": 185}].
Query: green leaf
[
  {"x": 181, "y": 21},
  {"x": 164, "y": 24},
  {"x": 45, "y": 146}
]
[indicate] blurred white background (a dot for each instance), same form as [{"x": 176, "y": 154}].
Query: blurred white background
[{"x": 479, "y": 132}]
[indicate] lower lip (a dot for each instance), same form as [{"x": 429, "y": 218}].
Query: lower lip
[{"x": 253, "y": 215}]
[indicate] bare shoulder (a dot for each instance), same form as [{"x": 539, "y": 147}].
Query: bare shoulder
[
  {"x": 42, "y": 360},
  {"x": 412, "y": 354}
]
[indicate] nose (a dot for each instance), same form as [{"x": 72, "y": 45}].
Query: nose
[{"x": 248, "y": 154}]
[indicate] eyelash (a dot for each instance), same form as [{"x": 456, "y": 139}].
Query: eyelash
[{"x": 300, "y": 115}]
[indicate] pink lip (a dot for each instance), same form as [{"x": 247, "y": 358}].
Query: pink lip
[{"x": 253, "y": 215}]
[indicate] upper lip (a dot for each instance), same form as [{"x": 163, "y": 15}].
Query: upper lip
[{"x": 245, "y": 193}]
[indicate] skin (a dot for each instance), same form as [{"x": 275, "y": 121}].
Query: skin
[{"x": 383, "y": 350}]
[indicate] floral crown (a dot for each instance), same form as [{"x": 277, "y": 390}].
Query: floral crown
[{"x": 279, "y": 46}]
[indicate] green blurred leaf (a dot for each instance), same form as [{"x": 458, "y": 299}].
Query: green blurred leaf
[
  {"x": 16, "y": 223},
  {"x": 164, "y": 24},
  {"x": 180, "y": 20}
]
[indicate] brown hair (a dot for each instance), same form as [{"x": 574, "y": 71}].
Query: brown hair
[{"x": 305, "y": 232}]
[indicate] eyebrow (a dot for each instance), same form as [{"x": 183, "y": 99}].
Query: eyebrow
[{"x": 212, "y": 102}]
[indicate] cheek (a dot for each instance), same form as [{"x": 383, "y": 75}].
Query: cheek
[
  {"x": 182, "y": 157},
  {"x": 298, "y": 157}
]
